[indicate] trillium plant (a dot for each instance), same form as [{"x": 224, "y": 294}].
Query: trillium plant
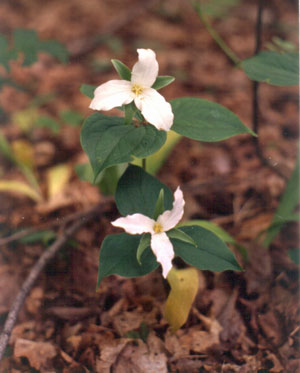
[{"x": 151, "y": 214}]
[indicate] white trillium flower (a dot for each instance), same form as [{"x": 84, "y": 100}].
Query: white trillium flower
[
  {"x": 155, "y": 109},
  {"x": 160, "y": 242}
]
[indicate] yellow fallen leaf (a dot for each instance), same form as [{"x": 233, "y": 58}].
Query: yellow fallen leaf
[
  {"x": 23, "y": 152},
  {"x": 57, "y": 179},
  {"x": 25, "y": 119},
  {"x": 184, "y": 286},
  {"x": 12, "y": 186}
]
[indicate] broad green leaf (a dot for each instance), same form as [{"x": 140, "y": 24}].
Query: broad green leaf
[
  {"x": 27, "y": 42},
  {"x": 294, "y": 254},
  {"x": 122, "y": 69},
  {"x": 88, "y": 90},
  {"x": 275, "y": 68},
  {"x": 156, "y": 160},
  {"x": 211, "y": 253},
  {"x": 44, "y": 121},
  {"x": 160, "y": 205},
  {"x": 218, "y": 231},
  {"x": 57, "y": 179},
  {"x": 144, "y": 243},
  {"x": 71, "y": 117},
  {"x": 6, "y": 54},
  {"x": 181, "y": 236},
  {"x": 287, "y": 204},
  {"x": 108, "y": 141},
  {"x": 118, "y": 256},
  {"x": 184, "y": 286},
  {"x": 11, "y": 186},
  {"x": 162, "y": 81},
  {"x": 137, "y": 192},
  {"x": 205, "y": 120}
]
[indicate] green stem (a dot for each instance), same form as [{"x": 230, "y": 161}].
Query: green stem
[
  {"x": 217, "y": 38},
  {"x": 144, "y": 164}
]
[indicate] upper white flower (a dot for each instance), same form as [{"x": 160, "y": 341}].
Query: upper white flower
[
  {"x": 155, "y": 109},
  {"x": 160, "y": 242}
]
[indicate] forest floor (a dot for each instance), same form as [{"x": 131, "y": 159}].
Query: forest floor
[{"x": 240, "y": 322}]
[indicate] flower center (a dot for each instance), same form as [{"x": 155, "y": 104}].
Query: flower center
[
  {"x": 137, "y": 89},
  {"x": 157, "y": 228}
]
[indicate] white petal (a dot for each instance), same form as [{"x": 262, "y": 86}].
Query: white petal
[
  {"x": 155, "y": 109},
  {"x": 145, "y": 71},
  {"x": 135, "y": 224},
  {"x": 163, "y": 250},
  {"x": 170, "y": 218},
  {"x": 112, "y": 94}
]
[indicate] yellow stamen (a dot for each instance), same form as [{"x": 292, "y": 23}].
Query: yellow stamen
[
  {"x": 137, "y": 89},
  {"x": 157, "y": 228}
]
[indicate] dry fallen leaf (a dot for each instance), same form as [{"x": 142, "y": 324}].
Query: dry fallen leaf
[{"x": 39, "y": 354}]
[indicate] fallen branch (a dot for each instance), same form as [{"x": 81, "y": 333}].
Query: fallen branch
[
  {"x": 82, "y": 219},
  {"x": 58, "y": 222}
]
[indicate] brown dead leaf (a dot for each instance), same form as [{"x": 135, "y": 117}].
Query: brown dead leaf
[
  {"x": 34, "y": 300},
  {"x": 39, "y": 354}
]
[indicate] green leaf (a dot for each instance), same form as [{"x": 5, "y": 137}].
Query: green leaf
[
  {"x": 159, "y": 206},
  {"x": 144, "y": 243},
  {"x": 108, "y": 179},
  {"x": 218, "y": 231},
  {"x": 294, "y": 254},
  {"x": 107, "y": 141},
  {"x": 118, "y": 256},
  {"x": 6, "y": 54},
  {"x": 287, "y": 204},
  {"x": 275, "y": 68},
  {"x": 162, "y": 81},
  {"x": 71, "y": 117},
  {"x": 137, "y": 192},
  {"x": 130, "y": 111},
  {"x": 156, "y": 160},
  {"x": 45, "y": 121},
  {"x": 210, "y": 254},
  {"x": 204, "y": 120},
  {"x": 181, "y": 236},
  {"x": 88, "y": 90},
  {"x": 27, "y": 42},
  {"x": 122, "y": 69},
  {"x": 85, "y": 172},
  {"x": 55, "y": 49},
  {"x": 45, "y": 237}
]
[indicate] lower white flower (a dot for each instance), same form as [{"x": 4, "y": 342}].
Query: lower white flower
[
  {"x": 155, "y": 109},
  {"x": 160, "y": 242}
]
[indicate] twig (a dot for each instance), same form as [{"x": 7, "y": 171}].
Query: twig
[
  {"x": 84, "y": 46},
  {"x": 255, "y": 95},
  {"x": 64, "y": 220},
  {"x": 35, "y": 272},
  {"x": 217, "y": 38}
]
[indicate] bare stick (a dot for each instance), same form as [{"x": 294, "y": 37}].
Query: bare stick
[
  {"x": 35, "y": 272},
  {"x": 64, "y": 220},
  {"x": 255, "y": 96}
]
